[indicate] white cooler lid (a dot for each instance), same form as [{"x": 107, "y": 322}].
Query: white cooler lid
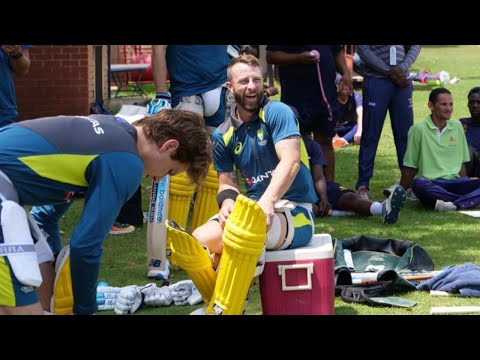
[{"x": 319, "y": 248}]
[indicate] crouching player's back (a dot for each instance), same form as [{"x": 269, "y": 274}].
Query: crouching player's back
[{"x": 100, "y": 158}]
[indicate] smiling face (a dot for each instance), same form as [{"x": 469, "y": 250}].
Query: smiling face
[
  {"x": 157, "y": 161},
  {"x": 442, "y": 108},
  {"x": 246, "y": 85}
]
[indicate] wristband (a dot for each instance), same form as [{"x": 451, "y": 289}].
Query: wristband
[
  {"x": 163, "y": 95},
  {"x": 226, "y": 194}
]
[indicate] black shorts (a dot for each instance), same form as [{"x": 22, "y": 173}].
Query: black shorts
[
  {"x": 334, "y": 192},
  {"x": 317, "y": 121}
]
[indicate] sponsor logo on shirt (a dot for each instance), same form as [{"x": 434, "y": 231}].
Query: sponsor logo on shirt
[
  {"x": 258, "y": 179},
  {"x": 238, "y": 148}
]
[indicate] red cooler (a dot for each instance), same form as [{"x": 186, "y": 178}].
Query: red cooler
[{"x": 299, "y": 281}]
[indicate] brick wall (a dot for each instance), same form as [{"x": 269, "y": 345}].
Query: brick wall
[{"x": 61, "y": 81}]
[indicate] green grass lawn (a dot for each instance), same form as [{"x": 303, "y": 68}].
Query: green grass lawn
[{"x": 449, "y": 238}]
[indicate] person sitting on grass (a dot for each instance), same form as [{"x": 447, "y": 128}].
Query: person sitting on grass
[
  {"x": 347, "y": 113},
  {"x": 471, "y": 126},
  {"x": 434, "y": 163},
  {"x": 333, "y": 196}
]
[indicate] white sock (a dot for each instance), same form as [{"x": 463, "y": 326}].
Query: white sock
[{"x": 376, "y": 208}]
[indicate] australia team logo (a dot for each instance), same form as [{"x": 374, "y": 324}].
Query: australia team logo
[{"x": 260, "y": 136}]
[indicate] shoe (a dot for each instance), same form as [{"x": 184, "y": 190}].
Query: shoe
[
  {"x": 392, "y": 206},
  {"x": 441, "y": 205},
  {"x": 339, "y": 142},
  {"x": 160, "y": 274},
  {"x": 119, "y": 228},
  {"x": 363, "y": 192},
  {"x": 389, "y": 190},
  {"x": 200, "y": 311},
  {"x": 411, "y": 195}
]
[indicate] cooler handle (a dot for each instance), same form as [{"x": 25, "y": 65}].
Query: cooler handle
[{"x": 283, "y": 268}]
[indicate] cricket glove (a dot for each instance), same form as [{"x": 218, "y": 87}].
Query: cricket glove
[
  {"x": 107, "y": 297},
  {"x": 159, "y": 102},
  {"x": 156, "y": 296},
  {"x": 185, "y": 293},
  {"x": 129, "y": 300}
]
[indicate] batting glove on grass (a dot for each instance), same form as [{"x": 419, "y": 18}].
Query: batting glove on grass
[
  {"x": 129, "y": 300},
  {"x": 182, "y": 291},
  {"x": 156, "y": 296},
  {"x": 107, "y": 297}
]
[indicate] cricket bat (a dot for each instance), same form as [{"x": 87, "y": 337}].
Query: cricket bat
[
  {"x": 158, "y": 208},
  {"x": 156, "y": 230}
]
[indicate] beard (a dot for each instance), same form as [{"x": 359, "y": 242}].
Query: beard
[{"x": 248, "y": 105}]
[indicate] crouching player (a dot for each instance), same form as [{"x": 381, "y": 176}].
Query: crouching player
[
  {"x": 52, "y": 160},
  {"x": 259, "y": 138}
]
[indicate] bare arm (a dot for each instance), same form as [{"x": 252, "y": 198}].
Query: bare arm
[
  {"x": 358, "y": 135},
  {"x": 20, "y": 65},
  {"x": 320, "y": 185},
  {"x": 288, "y": 152},
  {"x": 342, "y": 68},
  {"x": 159, "y": 67},
  {"x": 463, "y": 170},
  {"x": 408, "y": 174},
  {"x": 227, "y": 181}
]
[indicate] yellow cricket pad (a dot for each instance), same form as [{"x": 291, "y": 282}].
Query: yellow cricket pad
[
  {"x": 180, "y": 194},
  {"x": 244, "y": 237},
  {"x": 193, "y": 258},
  {"x": 62, "y": 299},
  {"x": 206, "y": 200}
]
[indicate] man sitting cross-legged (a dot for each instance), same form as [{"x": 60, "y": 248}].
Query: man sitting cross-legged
[{"x": 434, "y": 163}]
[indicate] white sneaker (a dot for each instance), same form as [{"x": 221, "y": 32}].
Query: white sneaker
[
  {"x": 199, "y": 311},
  {"x": 441, "y": 205},
  {"x": 411, "y": 195},
  {"x": 160, "y": 274}
]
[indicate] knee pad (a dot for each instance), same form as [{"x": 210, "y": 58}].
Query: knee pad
[
  {"x": 244, "y": 238},
  {"x": 62, "y": 299},
  {"x": 206, "y": 200},
  {"x": 191, "y": 256},
  {"x": 282, "y": 208},
  {"x": 18, "y": 244}
]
